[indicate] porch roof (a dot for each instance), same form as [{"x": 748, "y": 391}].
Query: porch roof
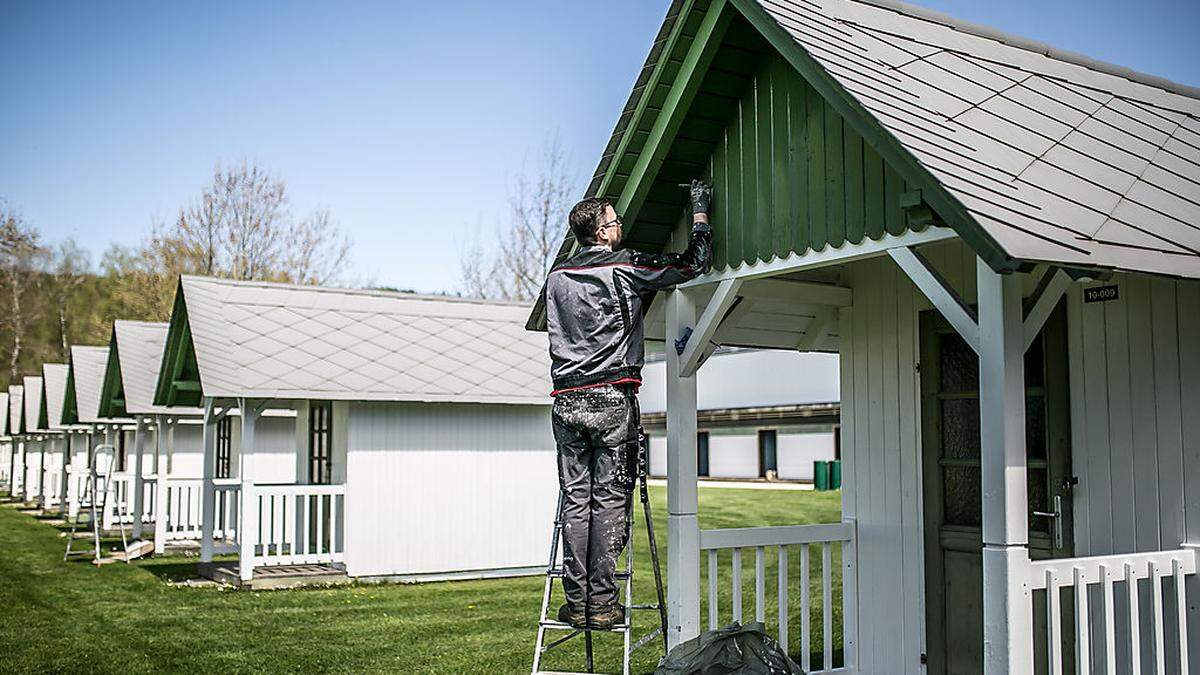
[
  {"x": 54, "y": 392},
  {"x": 1031, "y": 154},
  {"x": 16, "y": 393},
  {"x": 134, "y": 358},
  {"x": 235, "y": 339},
  {"x": 32, "y": 404},
  {"x": 86, "y": 374}
]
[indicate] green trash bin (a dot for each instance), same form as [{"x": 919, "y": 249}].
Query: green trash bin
[
  {"x": 835, "y": 474},
  {"x": 821, "y": 475}
]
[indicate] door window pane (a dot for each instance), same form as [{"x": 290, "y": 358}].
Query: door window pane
[
  {"x": 960, "y": 428},
  {"x": 963, "y": 502},
  {"x": 959, "y": 365}
]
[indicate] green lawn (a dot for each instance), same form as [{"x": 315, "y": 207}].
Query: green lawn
[{"x": 67, "y": 617}]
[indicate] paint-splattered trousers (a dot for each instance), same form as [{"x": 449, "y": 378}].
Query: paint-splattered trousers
[{"x": 596, "y": 431}]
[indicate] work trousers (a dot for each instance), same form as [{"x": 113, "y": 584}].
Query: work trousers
[{"x": 596, "y": 431}]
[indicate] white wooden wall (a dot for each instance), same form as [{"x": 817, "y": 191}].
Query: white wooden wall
[
  {"x": 33, "y": 466},
  {"x": 1135, "y": 407},
  {"x": 881, "y": 462},
  {"x": 187, "y": 452},
  {"x": 437, "y": 488},
  {"x": 274, "y": 449},
  {"x": 797, "y": 450}
]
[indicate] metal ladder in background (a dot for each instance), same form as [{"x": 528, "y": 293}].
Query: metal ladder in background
[
  {"x": 92, "y": 494},
  {"x": 555, "y": 570}
]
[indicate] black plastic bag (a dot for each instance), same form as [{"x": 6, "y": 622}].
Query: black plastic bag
[{"x": 732, "y": 650}]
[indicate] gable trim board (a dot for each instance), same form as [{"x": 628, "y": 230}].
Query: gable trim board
[{"x": 1131, "y": 209}]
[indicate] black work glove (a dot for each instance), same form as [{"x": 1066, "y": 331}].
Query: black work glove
[{"x": 701, "y": 193}]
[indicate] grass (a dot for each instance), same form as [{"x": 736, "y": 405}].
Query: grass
[{"x": 66, "y": 617}]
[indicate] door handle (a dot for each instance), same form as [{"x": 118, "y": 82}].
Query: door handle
[{"x": 1055, "y": 517}]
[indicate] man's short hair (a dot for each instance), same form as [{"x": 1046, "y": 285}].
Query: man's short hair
[{"x": 585, "y": 217}]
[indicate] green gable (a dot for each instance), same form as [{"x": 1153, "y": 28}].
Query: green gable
[
  {"x": 112, "y": 391},
  {"x": 798, "y": 164},
  {"x": 179, "y": 376},
  {"x": 70, "y": 413},
  {"x": 791, "y": 174}
]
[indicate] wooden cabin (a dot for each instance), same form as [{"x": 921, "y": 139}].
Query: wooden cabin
[
  {"x": 1000, "y": 241},
  {"x": 16, "y": 458},
  {"x": 54, "y": 447},
  {"x": 422, "y": 447}
]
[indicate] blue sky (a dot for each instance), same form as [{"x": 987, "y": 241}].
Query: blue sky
[{"x": 404, "y": 118}]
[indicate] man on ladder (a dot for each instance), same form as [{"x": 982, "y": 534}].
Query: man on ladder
[{"x": 595, "y": 301}]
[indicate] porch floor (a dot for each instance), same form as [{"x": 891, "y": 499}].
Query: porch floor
[{"x": 275, "y": 577}]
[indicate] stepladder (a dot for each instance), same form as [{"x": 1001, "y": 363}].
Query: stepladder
[
  {"x": 549, "y": 625},
  {"x": 97, "y": 491}
]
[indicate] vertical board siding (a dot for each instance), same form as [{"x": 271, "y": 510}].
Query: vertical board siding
[
  {"x": 793, "y": 176},
  {"x": 881, "y": 456},
  {"x": 442, "y": 488},
  {"x": 1135, "y": 374}
]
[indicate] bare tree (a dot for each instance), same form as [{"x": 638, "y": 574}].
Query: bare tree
[
  {"x": 68, "y": 266},
  {"x": 19, "y": 247},
  {"x": 523, "y": 250},
  {"x": 242, "y": 227}
]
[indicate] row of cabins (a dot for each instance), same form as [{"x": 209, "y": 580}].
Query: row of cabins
[
  {"x": 243, "y": 425},
  {"x": 276, "y": 402}
]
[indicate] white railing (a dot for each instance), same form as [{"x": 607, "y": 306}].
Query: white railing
[
  {"x": 1116, "y": 577},
  {"x": 183, "y": 508},
  {"x": 770, "y": 547},
  {"x": 149, "y": 498},
  {"x": 51, "y": 487},
  {"x": 226, "y": 523},
  {"x": 293, "y": 524},
  {"x": 184, "y": 519}
]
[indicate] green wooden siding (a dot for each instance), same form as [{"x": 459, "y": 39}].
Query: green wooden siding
[{"x": 791, "y": 175}]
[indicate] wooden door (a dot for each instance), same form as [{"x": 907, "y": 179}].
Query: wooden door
[{"x": 949, "y": 374}]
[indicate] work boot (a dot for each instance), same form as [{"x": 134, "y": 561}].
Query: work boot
[
  {"x": 575, "y": 618},
  {"x": 606, "y": 617}
]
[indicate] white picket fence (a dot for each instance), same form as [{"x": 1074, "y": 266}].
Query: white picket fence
[
  {"x": 1119, "y": 579},
  {"x": 775, "y": 546}
]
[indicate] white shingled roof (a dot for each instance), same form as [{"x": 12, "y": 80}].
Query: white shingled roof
[
  {"x": 16, "y": 406},
  {"x": 54, "y": 379},
  {"x": 267, "y": 340},
  {"x": 1059, "y": 158},
  {"x": 87, "y": 366},
  {"x": 33, "y": 403},
  {"x": 140, "y": 346}
]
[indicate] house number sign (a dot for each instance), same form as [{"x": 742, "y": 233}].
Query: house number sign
[{"x": 1100, "y": 294}]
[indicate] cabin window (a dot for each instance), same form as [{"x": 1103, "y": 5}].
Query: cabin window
[
  {"x": 120, "y": 450},
  {"x": 224, "y": 446},
  {"x": 320, "y": 437},
  {"x": 702, "y": 453}
]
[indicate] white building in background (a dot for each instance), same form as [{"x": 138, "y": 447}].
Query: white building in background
[{"x": 762, "y": 413}]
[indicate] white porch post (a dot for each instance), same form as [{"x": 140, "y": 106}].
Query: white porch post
[
  {"x": 160, "y": 493},
  {"x": 139, "y": 446},
  {"x": 683, "y": 528},
  {"x": 65, "y": 491},
  {"x": 208, "y": 495},
  {"x": 1007, "y": 607},
  {"x": 41, "y": 492},
  {"x": 248, "y": 508},
  {"x": 110, "y": 469}
]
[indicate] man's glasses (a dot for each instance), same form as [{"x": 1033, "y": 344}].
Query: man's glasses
[{"x": 615, "y": 222}]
